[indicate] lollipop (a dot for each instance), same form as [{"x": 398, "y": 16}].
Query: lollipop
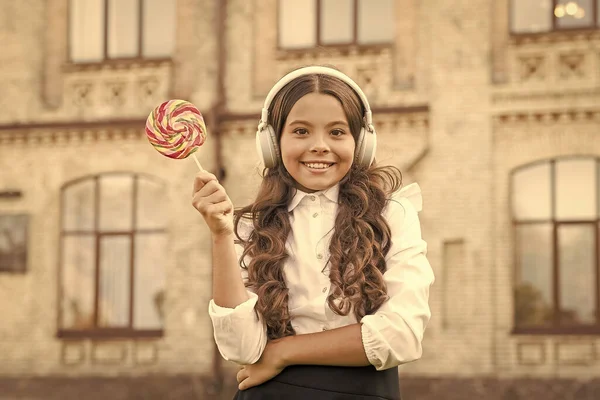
[{"x": 176, "y": 129}]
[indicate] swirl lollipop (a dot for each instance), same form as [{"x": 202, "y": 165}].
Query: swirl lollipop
[{"x": 176, "y": 129}]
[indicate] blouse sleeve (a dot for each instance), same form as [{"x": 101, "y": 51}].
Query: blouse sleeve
[
  {"x": 241, "y": 337},
  {"x": 393, "y": 335}
]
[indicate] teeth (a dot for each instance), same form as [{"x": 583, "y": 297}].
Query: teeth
[{"x": 317, "y": 165}]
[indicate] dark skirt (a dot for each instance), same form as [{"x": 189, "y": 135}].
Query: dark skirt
[{"x": 302, "y": 382}]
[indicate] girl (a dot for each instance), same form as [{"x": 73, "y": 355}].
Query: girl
[{"x": 325, "y": 291}]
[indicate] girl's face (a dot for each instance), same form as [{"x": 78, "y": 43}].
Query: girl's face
[{"x": 317, "y": 146}]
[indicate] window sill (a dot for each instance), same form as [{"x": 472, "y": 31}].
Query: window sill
[
  {"x": 123, "y": 64},
  {"x": 333, "y": 50},
  {"x": 565, "y": 330},
  {"x": 114, "y": 333},
  {"x": 555, "y": 36}
]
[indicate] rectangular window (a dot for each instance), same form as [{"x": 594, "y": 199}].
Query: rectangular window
[
  {"x": 125, "y": 29},
  {"x": 13, "y": 243},
  {"x": 534, "y": 16},
  {"x": 310, "y": 23}
]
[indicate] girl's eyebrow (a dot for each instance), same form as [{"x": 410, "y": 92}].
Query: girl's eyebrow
[
  {"x": 300, "y": 122},
  {"x": 303, "y": 122}
]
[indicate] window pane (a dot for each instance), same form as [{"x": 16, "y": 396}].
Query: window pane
[
  {"x": 577, "y": 260},
  {"x": 13, "y": 242},
  {"x": 123, "y": 28},
  {"x": 576, "y": 189},
  {"x": 337, "y": 21},
  {"x": 375, "y": 21},
  {"x": 158, "y": 42},
  {"x": 533, "y": 293},
  {"x": 150, "y": 205},
  {"x": 116, "y": 195},
  {"x": 86, "y": 30},
  {"x": 150, "y": 257},
  {"x": 78, "y": 206},
  {"x": 531, "y": 15},
  {"x": 574, "y": 13},
  {"x": 297, "y": 23},
  {"x": 115, "y": 262},
  {"x": 531, "y": 193},
  {"x": 78, "y": 282}
]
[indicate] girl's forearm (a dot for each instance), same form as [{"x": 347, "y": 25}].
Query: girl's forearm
[
  {"x": 337, "y": 347},
  {"x": 228, "y": 287}
]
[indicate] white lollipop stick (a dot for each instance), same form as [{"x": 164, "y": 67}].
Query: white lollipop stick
[{"x": 197, "y": 162}]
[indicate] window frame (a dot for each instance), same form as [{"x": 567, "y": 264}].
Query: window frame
[
  {"x": 556, "y": 328},
  {"x": 97, "y": 234},
  {"x": 318, "y": 43},
  {"x": 554, "y": 29},
  {"x": 105, "y": 58}
]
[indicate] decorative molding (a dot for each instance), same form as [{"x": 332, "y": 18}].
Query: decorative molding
[
  {"x": 145, "y": 352},
  {"x": 548, "y": 94},
  {"x": 74, "y": 133},
  {"x": 564, "y": 116},
  {"x": 575, "y": 352},
  {"x": 112, "y": 65},
  {"x": 554, "y": 37},
  {"x": 109, "y": 352},
  {"x": 324, "y": 53},
  {"x": 113, "y": 89},
  {"x": 531, "y": 353},
  {"x": 72, "y": 352}
]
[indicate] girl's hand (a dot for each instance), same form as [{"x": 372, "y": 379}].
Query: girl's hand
[
  {"x": 268, "y": 366},
  {"x": 210, "y": 198}
]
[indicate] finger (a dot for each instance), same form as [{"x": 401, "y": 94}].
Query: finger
[
  {"x": 224, "y": 207},
  {"x": 201, "y": 179},
  {"x": 246, "y": 384},
  {"x": 210, "y": 188},
  {"x": 213, "y": 198},
  {"x": 241, "y": 375},
  {"x": 206, "y": 207}
]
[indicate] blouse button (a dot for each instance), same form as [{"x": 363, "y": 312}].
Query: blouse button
[
  {"x": 315, "y": 215},
  {"x": 313, "y": 198},
  {"x": 319, "y": 256},
  {"x": 324, "y": 328},
  {"x": 324, "y": 290}
]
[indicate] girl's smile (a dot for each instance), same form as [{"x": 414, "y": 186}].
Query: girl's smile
[{"x": 317, "y": 147}]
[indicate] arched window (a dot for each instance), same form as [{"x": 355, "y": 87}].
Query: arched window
[
  {"x": 555, "y": 209},
  {"x": 112, "y": 256}
]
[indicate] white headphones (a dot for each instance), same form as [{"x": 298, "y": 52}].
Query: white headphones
[{"x": 266, "y": 140}]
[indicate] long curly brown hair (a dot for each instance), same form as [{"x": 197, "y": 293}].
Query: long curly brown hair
[{"x": 361, "y": 237}]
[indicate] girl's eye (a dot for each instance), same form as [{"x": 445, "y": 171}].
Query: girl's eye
[
  {"x": 300, "y": 131},
  {"x": 337, "y": 132}
]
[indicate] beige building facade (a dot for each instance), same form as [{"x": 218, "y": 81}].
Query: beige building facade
[{"x": 105, "y": 272}]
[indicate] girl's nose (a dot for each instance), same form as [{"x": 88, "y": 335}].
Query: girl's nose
[{"x": 319, "y": 145}]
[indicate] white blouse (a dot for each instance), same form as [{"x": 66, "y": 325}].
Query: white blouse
[{"x": 391, "y": 336}]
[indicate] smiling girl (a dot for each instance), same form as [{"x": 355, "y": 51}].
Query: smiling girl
[{"x": 321, "y": 286}]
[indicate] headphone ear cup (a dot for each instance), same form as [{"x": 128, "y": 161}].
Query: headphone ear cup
[
  {"x": 266, "y": 146},
  {"x": 366, "y": 147}
]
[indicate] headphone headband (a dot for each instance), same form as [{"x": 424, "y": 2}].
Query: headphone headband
[{"x": 309, "y": 71}]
